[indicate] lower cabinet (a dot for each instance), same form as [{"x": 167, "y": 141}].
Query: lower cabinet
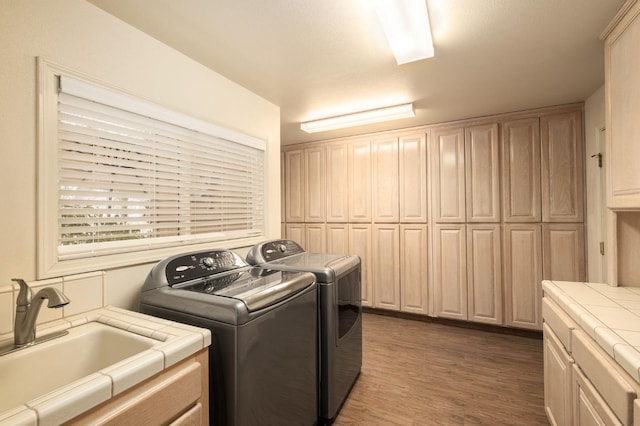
[
  {"x": 386, "y": 266},
  {"x": 588, "y": 407},
  {"x": 558, "y": 384},
  {"x": 178, "y": 395},
  {"x": 414, "y": 270},
  {"x": 563, "y": 248},
  {"x": 450, "y": 271},
  {"x": 522, "y": 265},
  {"x": 360, "y": 244}
]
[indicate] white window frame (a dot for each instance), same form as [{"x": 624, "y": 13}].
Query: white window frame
[{"x": 49, "y": 262}]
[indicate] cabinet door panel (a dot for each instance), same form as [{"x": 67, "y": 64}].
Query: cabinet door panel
[
  {"x": 316, "y": 237},
  {"x": 562, "y": 174},
  {"x": 360, "y": 181},
  {"x": 523, "y": 275},
  {"x": 294, "y": 187},
  {"x": 521, "y": 170},
  {"x": 448, "y": 182},
  {"x": 386, "y": 266},
  {"x": 482, "y": 173},
  {"x": 588, "y": 406},
  {"x": 337, "y": 238},
  {"x": 385, "y": 180},
  {"x": 558, "y": 386},
  {"x": 484, "y": 273},
  {"x": 450, "y": 271},
  {"x": 296, "y": 232},
  {"x": 414, "y": 271},
  {"x": 337, "y": 175},
  {"x": 563, "y": 250},
  {"x": 360, "y": 244},
  {"x": 413, "y": 178},
  {"x": 314, "y": 184}
]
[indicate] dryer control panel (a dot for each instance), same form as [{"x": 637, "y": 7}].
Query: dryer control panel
[
  {"x": 269, "y": 251},
  {"x": 201, "y": 264}
]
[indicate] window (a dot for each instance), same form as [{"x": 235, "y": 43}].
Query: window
[{"x": 125, "y": 179}]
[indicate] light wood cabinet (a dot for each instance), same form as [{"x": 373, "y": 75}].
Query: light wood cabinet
[
  {"x": 294, "y": 187},
  {"x": 296, "y": 232},
  {"x": 360, "y": 243},
  {"x": 413, "y": 178},
  {"x": 588, "y": 406},
  {"x": 337, "y": 175},
  {"x": 386, "y": 266},
  {"x": 563, "y": 248},
  {"x": 448, "y": 175},
  {"x": 173, "y": 396},
  {"x": 562, "y": 167},
  {"x": 414, "y": 270},
  {"x": 522, "y": 264},
  {"x": 484, "y": 274},
  {"x": 315, "y": 237},
  {"x": 360, "y": 181},
  {"x": 622, "y": 83},
  {"x": 338, "y": 238},
  {"x": 450, "y": 271},
  {"x": 558, "y": 383},
  {"x": 314, "y": 184},
  {"x": 521, "y": 170},
  {"x": 482, "y": 156},
  {"x": 385, "y": 180},
  {"x": 283, "y": 194}
]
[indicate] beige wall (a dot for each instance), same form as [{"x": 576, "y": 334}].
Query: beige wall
[{"x": 78, "y": 35}]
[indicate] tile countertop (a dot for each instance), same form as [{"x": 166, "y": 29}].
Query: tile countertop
[
  {"x": 610, "y": 315},
  {"x": 176, "y": 341}
]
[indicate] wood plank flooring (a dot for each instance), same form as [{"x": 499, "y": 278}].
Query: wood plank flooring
[{"x": 423, "y": 373}]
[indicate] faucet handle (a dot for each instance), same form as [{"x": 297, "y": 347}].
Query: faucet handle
[{"x": 25, "y": 294}]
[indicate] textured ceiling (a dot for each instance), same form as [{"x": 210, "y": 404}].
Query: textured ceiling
[{"x": 316, "y": 58}]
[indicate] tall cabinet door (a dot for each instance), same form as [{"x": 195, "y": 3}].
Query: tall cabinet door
[
  {"x": 315, "y": 237},
  {"x": 413, "y": 178},
  {"x": 447, "y": 175},
  {"x": 482, "y": 156},
  {"x": 294, "y": 186},
  {"x": 359, "y": 182},
  {"x": 337, "y": 176},
  {"x": 314, "y": 184},
  {"x": 484, "y": 273},
  {"x": 360, "y": 244},
  {"x": 562, "y": 175},
  {"x": 523, "y": 275},
  {"x": 386, "y": 266},
  {"x": 563, "y": 248},
  {"x": 385, "y": 180},
  {"x": 521, "y": 170},
  {"x": 414, "y": 271},
  {"x": 450, "y": 271}
]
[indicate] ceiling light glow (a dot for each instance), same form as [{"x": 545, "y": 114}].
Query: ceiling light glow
[
  {"x": 359, "y": 118},
  {"x": 406, "y": 26}
]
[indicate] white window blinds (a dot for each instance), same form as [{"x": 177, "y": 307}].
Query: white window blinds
[{"x": 133, "y": 175}]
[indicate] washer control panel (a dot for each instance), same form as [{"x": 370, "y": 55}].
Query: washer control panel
[
  {"x": 273, "y": 250},
  {"x": 202, "y": 264}
]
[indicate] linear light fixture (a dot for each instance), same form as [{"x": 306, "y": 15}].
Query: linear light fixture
[
  {"x": 359, "y": 118},
  {"x": 406, "y": 26}
]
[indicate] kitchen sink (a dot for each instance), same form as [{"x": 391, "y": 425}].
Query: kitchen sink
[{"x": 36, "y": 370}]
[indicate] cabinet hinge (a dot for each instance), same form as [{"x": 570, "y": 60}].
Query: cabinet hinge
[
  {"x": 602, "y": 248},
  {"x": 599, "y": 155}
]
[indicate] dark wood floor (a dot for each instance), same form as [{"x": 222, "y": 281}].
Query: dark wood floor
[{"x": 422, "y": 373}]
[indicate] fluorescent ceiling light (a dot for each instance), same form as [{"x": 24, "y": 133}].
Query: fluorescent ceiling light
[
  {"x": 406, "y": 26},
  {"x": 359, "y": 118}
]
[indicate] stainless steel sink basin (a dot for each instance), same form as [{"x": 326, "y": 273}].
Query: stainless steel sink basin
[{"x": 32, "y": 372}]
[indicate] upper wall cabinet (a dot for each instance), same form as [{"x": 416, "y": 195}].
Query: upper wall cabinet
[
  {"x": 482, "y": 173},
  {"x": 448, "y": 181},
  {"x": 521, "y": 170},
  {"x": 337, "y": 175},
  {"x": 385, "y": 180},
  {"x": 314, "y": 184},
  {"x": 359, "y": 182},
  {"x": 562, "y": 174},
  {"x": 413, "y": 178},
  {"x": 622, "y": 74}
]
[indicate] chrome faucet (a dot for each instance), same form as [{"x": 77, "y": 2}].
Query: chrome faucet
[{"x": 24, "y": 330}]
